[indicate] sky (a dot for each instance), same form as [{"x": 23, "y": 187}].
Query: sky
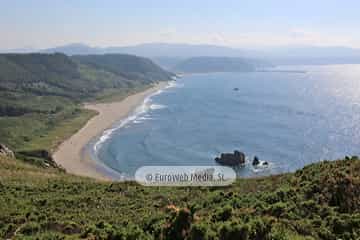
[{"x": 235, "y": 23}]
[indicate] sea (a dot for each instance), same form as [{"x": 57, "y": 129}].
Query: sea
[{"x": 288, "y": 116}]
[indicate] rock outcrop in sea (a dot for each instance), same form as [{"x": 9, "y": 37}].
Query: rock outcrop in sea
[
  {"x": 256, "y": 162},
  {"x": 231, "y": 159}
]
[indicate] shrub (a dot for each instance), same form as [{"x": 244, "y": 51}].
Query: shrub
[
  {"x": 260, "y": 230},
  {"x": 278, "y": 209},
  {"x": 180, "y": 226},
  {"x": 234, "y": 231},
  {"x": 224, "y": 214},
  {"x": 30, "y": 228},
  {"x": 200, "y": 232}
]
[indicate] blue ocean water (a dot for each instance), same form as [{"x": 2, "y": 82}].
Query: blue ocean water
[{"x": 289, "y": 119}]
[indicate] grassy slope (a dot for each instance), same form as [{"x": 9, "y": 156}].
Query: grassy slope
[
  {"x": 41, "y": 95},
  {"x": 321, "y": 201},
  {"x": 127, "y": 66},
  {"x": 42, "y": 131}
]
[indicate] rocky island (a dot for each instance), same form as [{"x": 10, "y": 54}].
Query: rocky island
[{"x": 231, "y": 159}]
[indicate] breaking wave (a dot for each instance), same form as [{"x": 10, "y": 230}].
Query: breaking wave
[{"x": 137, "y": 116}]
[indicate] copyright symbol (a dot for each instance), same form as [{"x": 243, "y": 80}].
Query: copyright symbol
[{"x": 148, "y": 177}]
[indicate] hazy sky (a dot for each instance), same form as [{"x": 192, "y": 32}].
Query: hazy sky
[{"x": 47, "y": 23}]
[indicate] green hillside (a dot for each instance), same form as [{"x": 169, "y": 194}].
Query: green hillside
[
  {"x": 40, "y": 94},
  {"x": 128, "y": 66},
  {"x": 321, "y": 201},
  {"x": 26, "y": 75}
]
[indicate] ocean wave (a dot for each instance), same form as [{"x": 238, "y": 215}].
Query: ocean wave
[
  {"x": 157, "y": 106},
  {"x": 147, "y": 117},
  {"x": 137, "y": 116},
  {"x": 262, "y": 167},
  {"x": 107, "y": 133},
  {"x": 174, "y": 84}
]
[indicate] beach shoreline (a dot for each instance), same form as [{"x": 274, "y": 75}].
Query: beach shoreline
[{"x": 73, "y": 155}]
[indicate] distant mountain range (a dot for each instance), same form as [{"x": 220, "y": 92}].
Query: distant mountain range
[
  {"x": 312, "y": 55},
  {"x": 169, "y": 55},
  {"x": 75, "y": 49},
  {"x": 154, "y": 50},
  {"x": 20, "y": 50}
]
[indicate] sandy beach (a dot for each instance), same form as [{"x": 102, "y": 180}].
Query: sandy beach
[{"x": 71, "y": 155}]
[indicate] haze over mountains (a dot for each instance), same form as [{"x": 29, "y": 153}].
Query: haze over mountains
[
  {"x": 176, "y": 57},
  {"x": 154, "y": 50},
  {"x": 194, "y": 50},
  {"x": 169, "y": 55}
]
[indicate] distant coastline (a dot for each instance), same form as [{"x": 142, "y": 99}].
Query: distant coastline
[
  {"x": 72, "y": 154},
  {"x": 281, "y": 71},
  {"x": 181, "y": 74}
]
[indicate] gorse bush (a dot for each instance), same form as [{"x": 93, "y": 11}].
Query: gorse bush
[{"x": 40, "y": 203}]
